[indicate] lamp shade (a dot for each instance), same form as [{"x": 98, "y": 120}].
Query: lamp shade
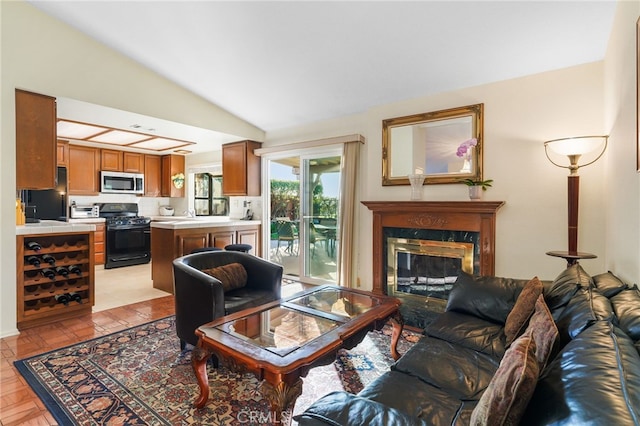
[{"x": 575, "y": 147}]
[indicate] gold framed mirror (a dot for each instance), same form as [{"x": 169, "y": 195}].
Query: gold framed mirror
[{"x": 445, "y": 146}]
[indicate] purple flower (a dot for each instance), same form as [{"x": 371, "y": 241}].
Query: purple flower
[{"x": 465, "y": 146}]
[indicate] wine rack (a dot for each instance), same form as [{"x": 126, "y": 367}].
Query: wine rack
[{"x": 56, "y": 265}]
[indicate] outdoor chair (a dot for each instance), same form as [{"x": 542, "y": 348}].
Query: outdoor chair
[
  {"x": 199, "y": 293},
  {"x": 288, "y": 232}
]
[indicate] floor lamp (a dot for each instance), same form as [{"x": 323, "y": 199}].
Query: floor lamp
[{"x": 574, "y": 148}]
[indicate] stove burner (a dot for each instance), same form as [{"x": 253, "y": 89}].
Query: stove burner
[{"x": 128, "y": 220}]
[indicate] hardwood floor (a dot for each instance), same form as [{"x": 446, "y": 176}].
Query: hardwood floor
[{"x": 19, "y": 405}]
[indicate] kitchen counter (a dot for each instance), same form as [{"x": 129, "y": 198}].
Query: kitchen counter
[
  {"x": 177, "y": 222},
  {"x": 88, "y": 220},
  {"x": 53, "y": 227}
]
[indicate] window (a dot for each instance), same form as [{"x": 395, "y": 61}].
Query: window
[{"x": 208, "y": 199}]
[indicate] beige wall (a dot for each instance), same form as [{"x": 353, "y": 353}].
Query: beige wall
[
  {"x": 519, "y": 115},
  {"x": 42, "y": 55},
  {"x": 621, "y": 199}
]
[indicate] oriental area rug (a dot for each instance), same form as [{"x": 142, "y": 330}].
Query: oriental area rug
[{"x": 139, "y": 376}]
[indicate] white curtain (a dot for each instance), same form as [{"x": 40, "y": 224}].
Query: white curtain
[{"x": 349, "y": 173}]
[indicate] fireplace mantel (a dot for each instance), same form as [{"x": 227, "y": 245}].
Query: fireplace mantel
[{"x": 473, "y": 216}]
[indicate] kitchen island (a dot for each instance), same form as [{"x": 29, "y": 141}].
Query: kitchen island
[{"x": 173, "y": 237}]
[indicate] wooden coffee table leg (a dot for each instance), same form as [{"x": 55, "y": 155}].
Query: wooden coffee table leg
[
  {"x": 199, "y": 358},
  {"x": 282, "y": 399},
  {"x": 398, "y": 323}
]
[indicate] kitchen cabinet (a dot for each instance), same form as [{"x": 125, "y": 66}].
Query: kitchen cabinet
[
  {"x": 98, "y": 244},
  {"x": 171, "y": 165},
  {"x": 62, "y": 153},
  {"x": 83, "y": 174},
  {"x": 36, "y": 148},
  {"x": 241, "y": 169},
  {"x": 132, "y": 162},
  {"x": 111, "y": 160},
  {"x": 152, "y": 175},
  {"x": 38, "y": 295},
  {"x": 170, "y": 240}
]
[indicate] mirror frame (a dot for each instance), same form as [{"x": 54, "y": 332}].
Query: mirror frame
[{"x": 476, "y": 112}]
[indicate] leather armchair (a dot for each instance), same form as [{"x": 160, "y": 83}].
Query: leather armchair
[{"x": 199, "y": 297}]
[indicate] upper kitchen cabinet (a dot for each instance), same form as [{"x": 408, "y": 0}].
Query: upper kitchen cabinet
[
  {"x": 152, "y": 175},
  {"x": 111, "y": 160},
  {"x": 35, "y": 141},
  {"x": 173, "y": 176},
  {"x": 62, "y": 153},
  {"x": 241, "y": 169},
  {"x": 132, "y": 162},
  {"x": 84, "y": 168}
]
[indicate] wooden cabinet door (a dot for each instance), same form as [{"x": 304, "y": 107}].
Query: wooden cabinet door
[
  {"x": 222, "y": 239},
  {"x": 111, "y": 160},
  {"x": 83, "y": 174},
  {"x": 132, "y": 162},
  {"x": 191, "y": 241},
  {"x": 63, "y": 153},
  {"x": 36, "y": 166},
  {"x": 98, "y": 243},
  {"x": 152, "y": 175},
  {"x": 241, "y": 169},
  {"x": 251, "y": 237},
  {"x": 171, "y": 165}
]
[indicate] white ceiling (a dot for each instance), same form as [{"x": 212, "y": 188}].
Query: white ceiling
[{"x": 282, "y": 64}]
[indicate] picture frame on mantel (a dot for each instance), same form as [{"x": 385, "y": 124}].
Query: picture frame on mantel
[{"x": 444, "y": 146}]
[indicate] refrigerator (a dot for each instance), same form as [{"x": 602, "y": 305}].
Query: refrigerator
[{"x": 49, "y": 203}]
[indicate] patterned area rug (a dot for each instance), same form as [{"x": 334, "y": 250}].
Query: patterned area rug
[{"x": 139, "y": 376}]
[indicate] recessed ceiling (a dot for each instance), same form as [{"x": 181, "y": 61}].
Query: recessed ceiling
[{"x": 283, "y": 64}]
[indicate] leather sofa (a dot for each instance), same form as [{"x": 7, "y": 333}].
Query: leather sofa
[
  {"x": 200, "y": 297},
  {"x": 592, "y": 374}
]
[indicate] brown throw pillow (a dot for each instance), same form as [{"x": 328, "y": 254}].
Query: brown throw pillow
[
  {"x": 522, "y": 310},
  {"x": 232, "y": 276},
  {"x": 544, "y": 331},
  {"x": 509, "y": 392}
]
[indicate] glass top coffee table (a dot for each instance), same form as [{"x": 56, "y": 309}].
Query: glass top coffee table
[{"x": 281, "y": 341}]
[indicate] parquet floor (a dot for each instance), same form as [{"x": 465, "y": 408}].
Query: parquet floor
[{"x": 19, "y": 405}]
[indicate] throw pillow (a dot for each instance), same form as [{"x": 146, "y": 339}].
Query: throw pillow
[
  {"x": 509, "y": 392},
  {"x": 544, "y": 331},
  {"x": 522, "y": 310},
  {"x": 232, "y": 276}
]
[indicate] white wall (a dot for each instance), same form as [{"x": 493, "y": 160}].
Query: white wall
[
  {"x": 42, "y": 55},
  {"x": 520, "y": 115},
  {"x": 621, "y": 199}
]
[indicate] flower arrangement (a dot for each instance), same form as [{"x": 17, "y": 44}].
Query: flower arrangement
[
  {"x": 178, "y": 180},
  {"x": 465, "y": 146}
]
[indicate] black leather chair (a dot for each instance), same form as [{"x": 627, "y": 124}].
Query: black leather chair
[{"x": 200, "y": 298}]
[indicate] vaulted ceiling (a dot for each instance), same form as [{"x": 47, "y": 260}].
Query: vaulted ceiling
[{"x": 283, "y": 64}]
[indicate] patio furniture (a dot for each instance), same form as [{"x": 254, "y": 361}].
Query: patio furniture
[{"x": 288, "y": 232}]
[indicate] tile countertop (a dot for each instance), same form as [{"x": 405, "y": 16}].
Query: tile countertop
[
  {"x": 88, "y": 220},
  {"x": 53, "y": 227},
  {"x": 181, "y": 222}
]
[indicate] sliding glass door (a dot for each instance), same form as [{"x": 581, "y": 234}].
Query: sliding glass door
[{"x": 304, "y": 199}]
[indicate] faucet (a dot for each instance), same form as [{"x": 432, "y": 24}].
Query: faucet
[{"x": 189, "y": 213}]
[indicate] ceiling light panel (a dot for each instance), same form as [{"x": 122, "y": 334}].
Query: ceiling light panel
[
  {"x": 160, "y": 144},
  {"x": 120, "y": 137},
  {"x": 73, "y": 130}
]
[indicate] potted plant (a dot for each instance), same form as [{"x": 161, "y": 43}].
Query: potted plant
[{"x": 476, "y": 186}]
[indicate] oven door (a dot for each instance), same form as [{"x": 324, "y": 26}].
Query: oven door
[{"x": 127, "y": 245}]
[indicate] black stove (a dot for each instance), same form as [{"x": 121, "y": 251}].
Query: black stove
[{"x": 128, "y": 236}]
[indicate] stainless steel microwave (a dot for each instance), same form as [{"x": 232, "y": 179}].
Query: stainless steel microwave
[{"x": 121, "y": 183}]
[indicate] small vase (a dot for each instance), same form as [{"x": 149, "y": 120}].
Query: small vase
[
  {"x": 417, "y": 182},
  {"x": 475, "y": 192}
]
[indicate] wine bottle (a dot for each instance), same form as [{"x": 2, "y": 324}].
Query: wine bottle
[
  {"x": 49, "y": 259},
  {"x": 75, "y": 297},
  {"x": 32, "y": 245},
  {"x": 48, "y": 273},
  {"x": 34, "y": 260},
  {"x": 61, "y": 270},
  {"x": 75, "y": 269},
  {"x": 63, "y": 298}
]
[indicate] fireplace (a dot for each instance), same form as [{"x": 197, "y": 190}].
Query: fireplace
[{"x": 420, "y": 247}]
